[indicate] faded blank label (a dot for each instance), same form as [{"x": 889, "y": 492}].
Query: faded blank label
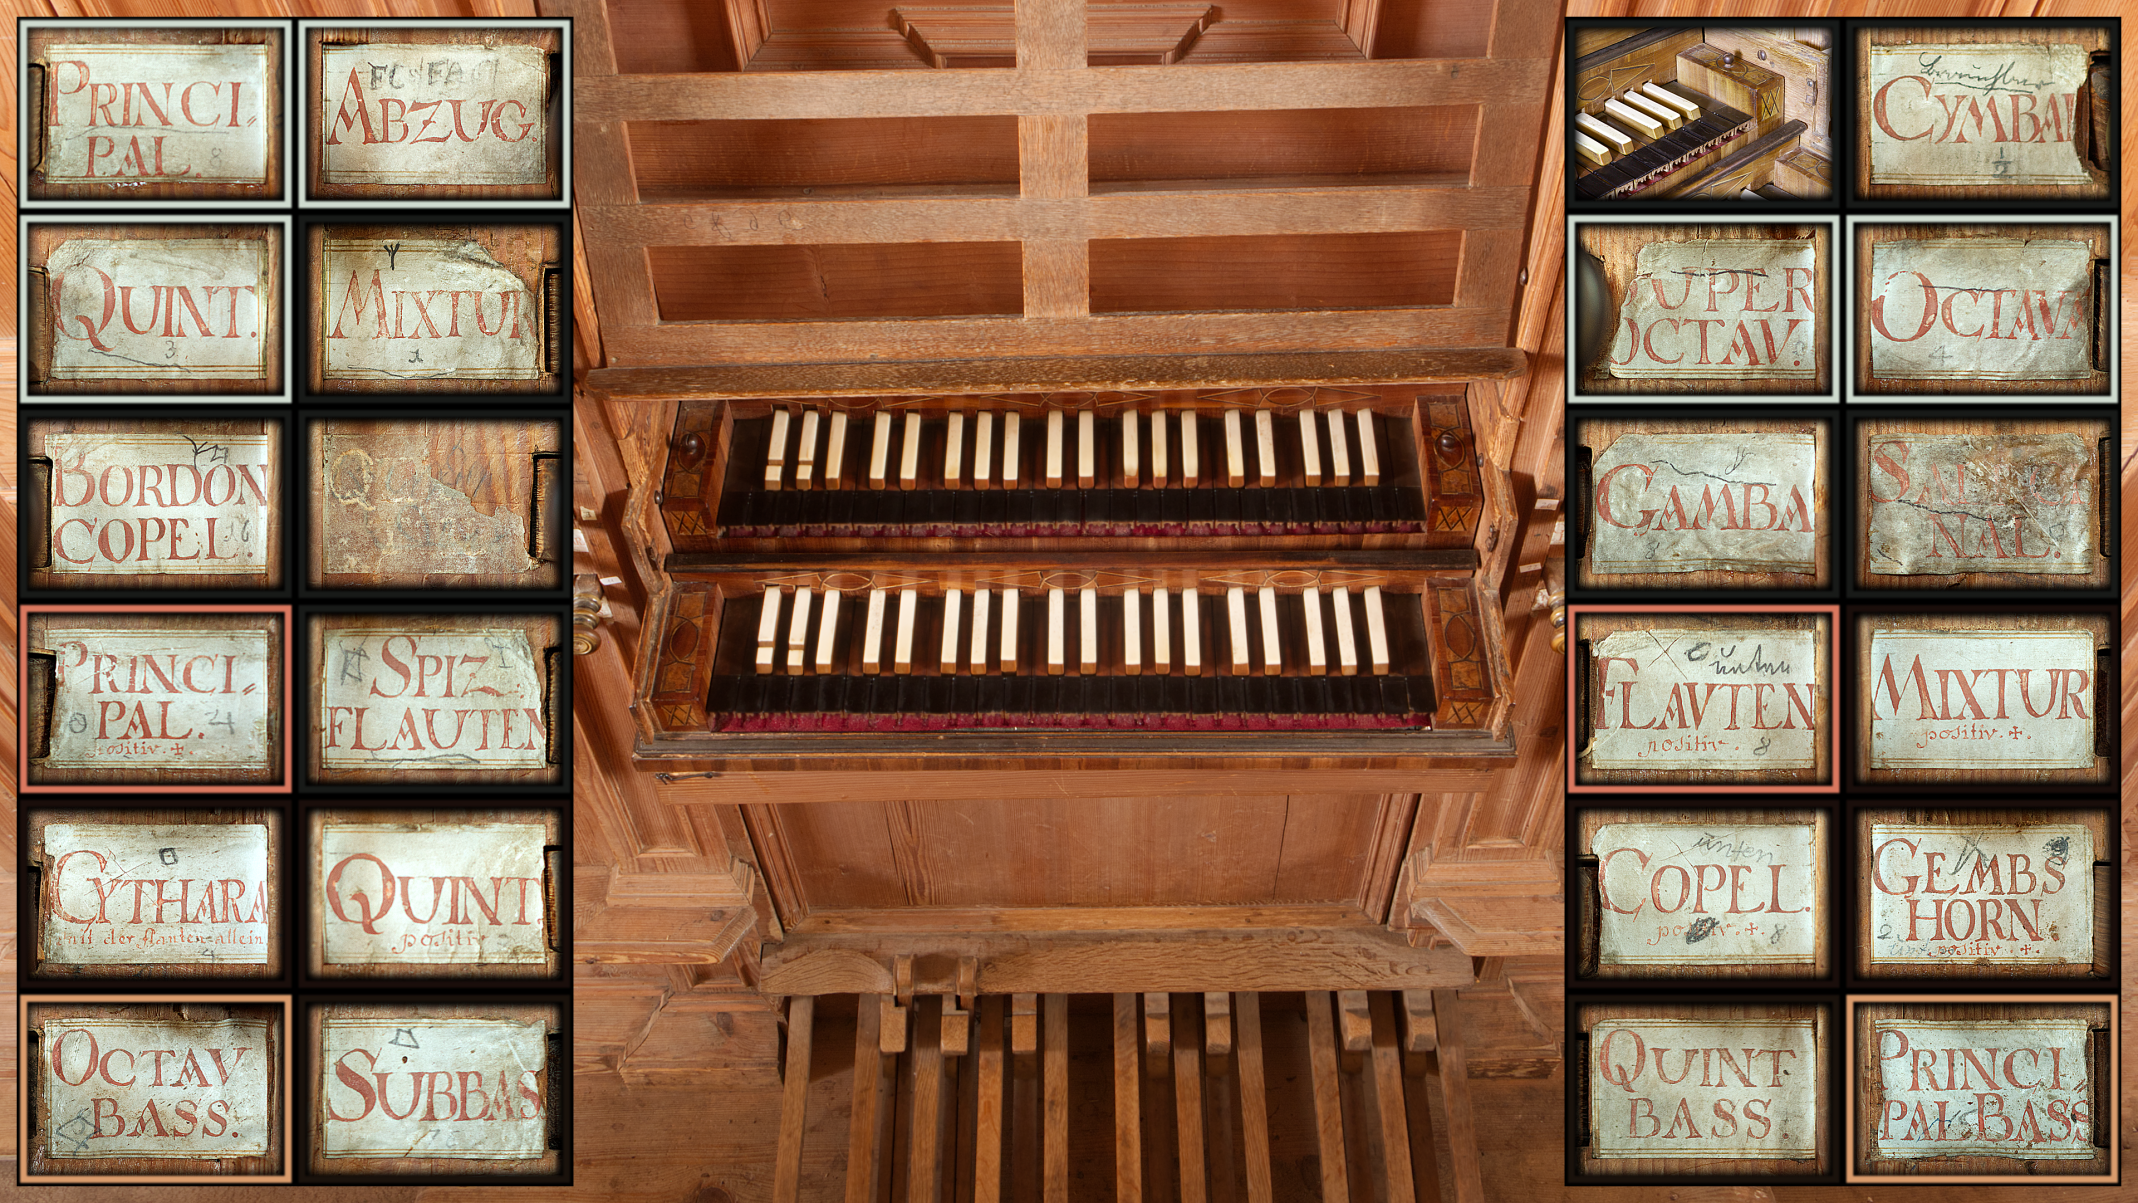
[
  {"x": 426, "y": 497},
  {"x": 432, "y": 700},
  {"x": 1981, "y": 895},
  {"x": 1976, "y": 114},
  {"x": 1981, "y": 309},
  {"x": 423, "y": 1087},
  {"x": 125, "y": 894},
  {"x": 2006, "y": 502},
  {"x": 433, "y": 894},
  {"x": 163, "y": 698},
  {"x": 128, "y": 504},
  {"x": 159, "y": 309},
  {"x": 1685, "y": 894},
  {"x": 1719, "y": 309},
  {"x": 1985, "y": 699},
  {"x": 432, "y": 114},
  {"x": 155, "y": 1088},
  {"x": 1682, "y": 700},
  {"x": 1694, "y": 1088},
  {"x": 1694, "y": 502},
  {"x": 424, "y": 310},
  {"x": 2009, "y": 1087},
  {"x": 186, "y": 114}
]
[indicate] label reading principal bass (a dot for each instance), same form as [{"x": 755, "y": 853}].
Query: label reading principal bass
[
  {"x": 432, "y": 700},
  {"x": 421, "y": 1087},
  {"x": 1708, "y": 1089},
  {"x": 433, "y": 114},
  {"x": 159, "y": 309},
  {"x": 1982, "y": 503},
  {"x": 1989, "y": 699},
  {"x": 2005, "y": 1087},
  {"x": 1981, "y": 309},
  {"x": 1685, "y": 894},
  {"x": 163, "y": 698},
  {"x": 2004, "y": 895},
  {"x": 1741, "y": 698},
  {"x": 433, "y": 894},
  {"x": 154, "y": 114},
  {"x": 1694, "y": 502},
  {"x": 128, "y": 504},
  {"x": 1719, "y": 309},
  {"x": 1976, "y": 115},
  {"x": 424, "y": 310},
  {"x": 156, "y": 1088},
  {"x": 125, "y": 894}
]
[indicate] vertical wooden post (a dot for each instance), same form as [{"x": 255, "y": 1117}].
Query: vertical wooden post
[
  {"x": 1054, "y": 1055},
  {"x": 1385, "y": 1085},
  {"x": 924, "y": 1160},
  {"x": 1188, "y": 1104},
  {"x": 1328, "y": 1102},
  {"x": 1254, "y": 1101},
  {"x": 794, "y": 1100},
  {"x": 862, "y": 1125},
  {"x": 1455, "y": 1088},
  {"x": 1128, "y": 1107},
  {"x": 987, "y": 1137}
]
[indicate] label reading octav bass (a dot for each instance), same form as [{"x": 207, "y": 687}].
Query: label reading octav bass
[
  {"x": 156, "y": 1088},
  {"x": 425, "y": 1087},
  {"x": 432, "y": 700},
  {"x": 129, "y": 504},
  {"x": 125, "y": 894},
  {"x": 1741, "y": 698},
  {"x": 433, "y": 894}
]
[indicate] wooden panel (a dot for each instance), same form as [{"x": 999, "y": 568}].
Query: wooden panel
[
  {"x": 851, "y": 157},
  {"x": 1317, "y": 271},
  {"x": 794, "y": 1099},
  {"x": 1265, "y": 149},
  {"x": 881, "y": 280}
]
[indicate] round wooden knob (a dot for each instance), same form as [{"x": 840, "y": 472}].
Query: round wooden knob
[
  {"x": 1450, "y": 444},
  {"x": 691, "y": 449}
]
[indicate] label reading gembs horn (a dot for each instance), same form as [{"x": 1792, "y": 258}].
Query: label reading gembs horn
[
  {"x": 160, "y": 697},
  {"x": 1740, "y": 698},
  {"x": 126, "y": 894},
  {"x": 1987, "y": 699},
  {"x": 425, "y": 1087},
  {"x": 424, "y": 310},
  {"x": 1687, "y": 894},
  {"x": 154, "y": 114},
  {"x": 1981, "y": 503},
  {"x": 433, "y": 114},
  {"x": 1980, "y": 894},
  {"x": 159, "y": 309},
  {"x": 1981, "y": 309},
  {"x": 155, "y": 1088},
  {"x": 1976, "y": 115},
  {"x": 2009, "y": 1087},
  {"x": 1694, "y": 502},
  {"x": 432, "y": 700},
  {"x": 433, "y": 894},
  {"x": 1708, "y": 1089},
  {"x": 1720, "y": 309},
  {"x": 129, "y": 503}
]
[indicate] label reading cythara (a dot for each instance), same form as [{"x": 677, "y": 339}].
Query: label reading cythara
[
  {"x": 159, "y": 309},
  {"x": 154, "y": 114},
  {"x": 424, "y": 309},
  {"x": 1709, "y": 1089},
  {"x": 433, "y": 114},
  {"x": 1988, "y": 699},
  {"x": 421, "y": 1087},
  {"x": 163, "y": 697},
  {"x": 432, "y": 700},
  {"x": 1980, "y": 894},
  {"x": 2002, "y": 1087},
  {"x": 434, "y": 894},
  {"x": 1685, "y": 894},
  {"x": 125, "y": 894},
  {"x": 1740, "y": 698},
  {"x": 156, "y": 1088},
  {"x": 125, "y": 504}
]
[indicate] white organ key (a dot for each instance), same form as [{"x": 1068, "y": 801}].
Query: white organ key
[
  {"x": 1369, "y": 452},
  {"x": 835, "y": 452},
  {"x": 805, "y": 456},
  {"x": 1054, "y": 449},
  {"x": 1087, "y": 644},
  {"x": 1235, "y": 452},
  {"x": 1191, "y": 628},
  {"x": 1161, "y": 632},
  {"x": 1686, "y": 108},
  {"x": 1131, "y": 463},
  {"x": 1236, "y": 609},
  {"x": 776, "y": 453},
  {"x": 1347, "y": 648},
  {"x": 1266, "y": 447},
  {"x": 798, "y": 630},
  {"x": 978, "y": 648},
  {"x": 872, "y": 635},
  {"x": 983, "y": 449},
  {"x": 1087, "y": 451},
  {"x": 1339, "y": 449},
  {"x": 953, "y": 601},
  {"x": 1191, "y": 463},
  {"x": 1594, "y": 153},
  {"x": 1317, "y": 650},
  {"x": 1272, "y": 657},
  {"x": 909, "y": 455},
  {"x": 768, "y": 630},
  {"x": 909, "y": 600},
  {"x": 1639, "y": 123},
  {"x": 827, "y": 626},
  {"x": 1653, "y": 108},
  {"x": 1131, "y": 633},
  {"x": 953, "y": 450},
  {"x": 1010, "y": 423},
  {"x": 1158, "y": 450},
  {"x": 1009, "y": 631},
  {"x": 880, "y": 451},
  {"x": 1055, "y": 653},
  {"x": 1376, "y": 630},
  {"x": 1619, "y": 143},
  {"x": 1309, "y": 448}
]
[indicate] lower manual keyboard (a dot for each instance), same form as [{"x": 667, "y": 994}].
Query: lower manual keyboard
[{"x": 1043, "y": 513}]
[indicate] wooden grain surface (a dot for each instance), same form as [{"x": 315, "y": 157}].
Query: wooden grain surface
[
  {"x": 1618, "y": 248},
  {"x": 854, "y": 157},
  {"x": 1594, "y": 436}
]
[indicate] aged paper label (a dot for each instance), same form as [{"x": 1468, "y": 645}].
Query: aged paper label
[
  {"x": 1982, "y": 309},
  {"x": 433, "y": 114},
  {"x": 156, "y": 1088},
  {"x": 1745, "y": 1088},
  {"x": 134, "y": 503},
  {"x": 1693, "y": 502},
  {"x": 432, "y": 700},
  {"x": 424, "y": 310},
  {"x": 433, "y": 496},
  {"x": 160, "y": 697},
  {"x": 2001, "y": 895},
  {"x": 158, "y": 114},
  {"x": 1719, "y": 309},
  {"x": 159, "y": 309},
  {"x": 122, "y": 893},
  {"x": 1740, "y": 698},
  {"x": 1982, "y": 503},
  {"x": 1686, "y": 894},
  {"x": 1984, "y": 114},
  {"x": 479, "y": 886},
  {"x": 2001, "y": 1087},
  {"x": 422, "y": 1087},
  {"x": 1991, "y": 699}
]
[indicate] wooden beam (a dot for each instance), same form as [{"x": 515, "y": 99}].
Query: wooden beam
[
  {"x": 862, "y": 1149},
  {"x": 1385, "y": 1086},
  {"x": 1254, "y": 1098},
  {"x": 1217, "y": 1031},
  {"x": 1409, "y": 366},
  {"x": 987, "y": 1114},
  {"x": 1054, "y": 1054},
  {"x": 1328, "y": 1099},
  {"x": 1188, "y": 1107},
  {"x": 924, "y": 1156},
  {"x": 1354, "y": 1028},
  {"x": 1024, "y": 1024},
  {"x": 794, "y": 1101},
  {"x": 1128, "y": 1106},
  {"x": 1157, "y": 1034},
  {"x": 1455, "y": 1089},
  {"x": 891, "y": 1030},
  {"x": 1420, "y": 1033},
  {"x": 1050, "y": 35}
]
